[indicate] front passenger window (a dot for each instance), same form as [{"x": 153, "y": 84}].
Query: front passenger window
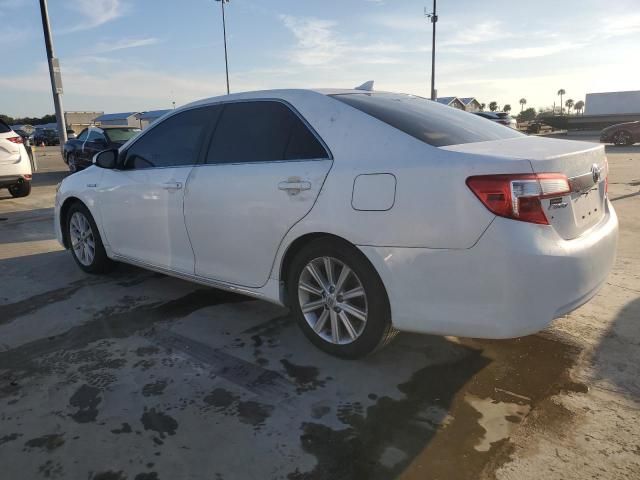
[{"x": 174, "y": 142}]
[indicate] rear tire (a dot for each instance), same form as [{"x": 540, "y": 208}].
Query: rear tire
[
  {"x": 84, "y": 241},
  {"x": 348, "y": 318},
  {"x": 19, "y": 190}
]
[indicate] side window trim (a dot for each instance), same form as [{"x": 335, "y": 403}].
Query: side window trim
[
  {"x": 122, "y": 156},
  {"x": 304, "y": 121}
]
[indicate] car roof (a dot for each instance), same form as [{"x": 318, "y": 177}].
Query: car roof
[{"x": 279, "y": 93}]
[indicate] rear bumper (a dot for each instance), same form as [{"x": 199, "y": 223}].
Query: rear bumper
[
  {"x": 9, "y": 180},
  {"x": 513, "y": 282}
]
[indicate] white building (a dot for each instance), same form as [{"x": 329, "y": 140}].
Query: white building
[{"x": 612, "y": 103}]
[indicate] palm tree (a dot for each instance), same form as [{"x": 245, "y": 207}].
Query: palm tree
[
  {"x": 579, "y": 106},
  {"x": 523, "y": 102},
  {"x": 506, "y": 108},
  {"x": 561, "y": 92},
  {"x": 493, "y": 106},
  {"x": 569, "y": 104},
  {"x": 483, "y": 106}
]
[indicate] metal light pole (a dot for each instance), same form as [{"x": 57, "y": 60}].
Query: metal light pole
[
  {"x": 224, "y": 34},
  {"x": 434, "y": 19},
  {"x": 54, "y": 73}
]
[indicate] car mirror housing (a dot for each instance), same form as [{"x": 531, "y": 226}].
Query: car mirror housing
[{"x": 106, "y": 158}]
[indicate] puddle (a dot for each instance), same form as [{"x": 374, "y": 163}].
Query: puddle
[{"x": 498, "y": 419}]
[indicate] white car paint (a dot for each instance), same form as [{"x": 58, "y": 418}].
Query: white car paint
[
  {"x": 14, "y": 160},
  {"x": 449, "y": 265}
]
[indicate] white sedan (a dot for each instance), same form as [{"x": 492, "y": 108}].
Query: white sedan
[{"x": 364, "y": 212}]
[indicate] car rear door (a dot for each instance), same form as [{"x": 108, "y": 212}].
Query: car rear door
[
  {"x": 263, "y": 171},
  {"x": 142, "y": 203}
]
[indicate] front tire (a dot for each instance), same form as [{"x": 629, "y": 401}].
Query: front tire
[
  {"x": 85, "y": 242},
  {"x": 339, "y": 300},
  {"x": 71, "y": 162},
  {"x": 19, "y": 190}
]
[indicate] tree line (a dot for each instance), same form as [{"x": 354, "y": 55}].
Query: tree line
[{"x": 28, "y": 120}]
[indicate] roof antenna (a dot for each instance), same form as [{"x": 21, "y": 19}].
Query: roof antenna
[{"x": 366, "y": 86}]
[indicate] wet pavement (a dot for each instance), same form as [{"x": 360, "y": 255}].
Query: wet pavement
[{"x": 136, "y": 375}]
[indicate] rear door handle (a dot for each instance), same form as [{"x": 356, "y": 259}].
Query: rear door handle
[
  {"x": 294, "y": 187},
  {"x": 172, "y": 186}
]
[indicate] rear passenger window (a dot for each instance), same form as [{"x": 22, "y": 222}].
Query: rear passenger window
[
  {"x": 4, "y": 128},
  {"x": 262, "y": 131},
  {"x": 173, "y": 142}
]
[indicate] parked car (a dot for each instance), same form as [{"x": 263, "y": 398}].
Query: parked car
[
  {"x": 502, "y": 118},
  {"x": 78, "y": 152},
  {"x": 626, "y": 133},
  {"x": 46, "y": 136},
  {"x": 366, "y": 213},
  {"x": 15, "y": 166}
]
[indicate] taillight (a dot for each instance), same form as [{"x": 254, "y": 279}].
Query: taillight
[
  {"x": 518, "y": 196},
  {"x": 15, "y": 139}
]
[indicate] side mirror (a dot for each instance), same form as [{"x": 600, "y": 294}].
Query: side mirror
[{"x": 106, "y": 158}]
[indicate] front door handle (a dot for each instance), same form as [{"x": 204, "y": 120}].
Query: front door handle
[
  {"x": 294, "y": 187},
  {"x": 172, "y": 186}
]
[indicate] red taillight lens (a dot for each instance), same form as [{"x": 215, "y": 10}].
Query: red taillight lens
[
  {"x": 518, "y": 196},
  {"x": 15, "y": 139}
]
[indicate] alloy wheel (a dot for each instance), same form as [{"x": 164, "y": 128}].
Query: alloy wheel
[
  {"x": 82, "y": 239},
  {"x": 332, "y": 300}
]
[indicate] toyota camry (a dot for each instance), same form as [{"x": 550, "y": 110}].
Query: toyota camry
[{"x": 366, "y": 213}]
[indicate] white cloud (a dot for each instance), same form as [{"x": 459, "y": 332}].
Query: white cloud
[
  {"x": 125, "y": 43},
  {"x": 317, "y": 43},
  {"x": 621, "y": 25},
  {"x": 479, "y": 33},
  {"x": 96, "y": 13},
  {"x": 541, "y": 51}
]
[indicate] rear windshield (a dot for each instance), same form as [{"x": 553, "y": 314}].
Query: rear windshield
[
  {"x": 4, "y": 128},
  {"x": 122, "y": 135},
  {"x": 435, "y": 124}
]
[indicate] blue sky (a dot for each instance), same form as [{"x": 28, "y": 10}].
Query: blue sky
[{"x": 124, "y": 55}]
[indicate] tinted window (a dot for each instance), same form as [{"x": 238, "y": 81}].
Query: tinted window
[
  {"x": 173, "y": 142},
  {"x": 83, "y": 135},
  {"x": 435, "y": 124},
  {"x": 95, "y": 135},
  {"x": 262, "y": 131},
  {"x": 4, "y": 128},
  {"x": 121, "y": 135}
]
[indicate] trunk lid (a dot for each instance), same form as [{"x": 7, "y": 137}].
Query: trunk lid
[{"x": 584, "y": 164}]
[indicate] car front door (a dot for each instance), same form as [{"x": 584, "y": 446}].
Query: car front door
[
  {"x": 94, "y": 143},
  {"x": 262, "y": 173},
  {"x": 142, "y": 202}
]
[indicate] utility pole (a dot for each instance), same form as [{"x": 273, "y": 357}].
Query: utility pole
[
  {"x": 434, "y": 19},
  {"x": 224, "y": 35},
  {"x": 54, "y": 73}
]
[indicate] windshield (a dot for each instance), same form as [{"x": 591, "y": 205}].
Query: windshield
[
  {"x": 122, "y": 135},
  {"x": 435, "y": 124}
]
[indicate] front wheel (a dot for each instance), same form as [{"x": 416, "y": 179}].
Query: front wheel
[
  {"x": 71, "y": 162},
  {"x": 19, "y": 190},
  {"x": 85, "y": 242},
  {"x": 339, "y": 300}
]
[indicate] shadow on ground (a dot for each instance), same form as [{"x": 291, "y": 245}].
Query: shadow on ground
[{"x": 616, "y": 358}]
